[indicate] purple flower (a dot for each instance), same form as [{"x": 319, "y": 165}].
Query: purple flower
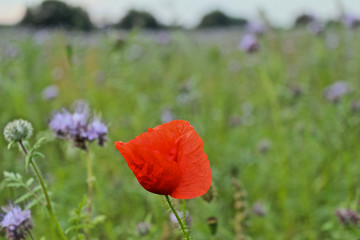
[
  {"x": 16, "y": 222},
  {"x": 256, "y": 27},
  {"x": 259, "y": 209},
  {"x": 315, "y": 27},
  {"x": 163, "y": 38},
  {"x": 60, "y": 123},
  {"x": 97, "y": 130},
  {"x": 334, "y": 92},
  {"x": 175, "y": 222},
  {"x": 76, "y": 127},
  {"x": 167, "y": 116},
  {"x": 249, "y": 43},
  {"x": 50, "y": 92},
  {"x": 351, "y": 21},
  {"x": 347, "y": 216}
]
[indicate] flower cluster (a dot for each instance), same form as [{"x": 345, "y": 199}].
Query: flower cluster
[
  {"x": 76, "y": 126},
  {"x": 336, "y": 91},
  {"x": 347, "y": 216},
  {"x": 18, "y": 130},
  {"x": 17, "y": 223},
  {"x": 249, "y": 43}
]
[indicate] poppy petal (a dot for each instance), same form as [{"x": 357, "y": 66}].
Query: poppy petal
[
  {"x": 196, "y": 173},
  {"x": 151, "y": 158}
]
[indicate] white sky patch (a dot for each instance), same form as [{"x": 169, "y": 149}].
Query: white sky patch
[{"x": 189, "y": 12}]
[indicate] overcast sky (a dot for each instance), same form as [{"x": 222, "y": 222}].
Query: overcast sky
[{"x": 189, "y": 12}]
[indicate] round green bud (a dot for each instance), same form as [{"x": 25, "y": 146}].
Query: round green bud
[{"x": 18, "y": 130}]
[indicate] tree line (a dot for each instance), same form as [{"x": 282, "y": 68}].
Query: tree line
[{"x": 55, "y": 13}]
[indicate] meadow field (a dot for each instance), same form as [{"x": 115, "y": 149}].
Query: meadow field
[{"x": 283, "y": 153}]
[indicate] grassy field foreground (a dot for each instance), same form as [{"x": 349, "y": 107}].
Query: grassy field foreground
[{"x": 263, "y": 117}]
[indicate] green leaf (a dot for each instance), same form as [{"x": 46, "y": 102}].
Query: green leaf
[
  {"x": 28, "y": 158},
  {"x": 8, "y": 174},
  {"x": 98, "y": 219},
  {"x": 11, "y": 144},
  {"x": 32, "y": 203},
  {"x": 38, "y": 154},
  {"x": 15, "y": 185},
  {"x": 24, "y": 197},
  {"x": 39, "y": 143},
  {"x": 29, "y": 182}
]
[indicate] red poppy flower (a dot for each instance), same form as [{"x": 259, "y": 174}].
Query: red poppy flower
[{"x": 169, "y": 160}]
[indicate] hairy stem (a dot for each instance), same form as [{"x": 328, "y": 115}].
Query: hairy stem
[
  {"x": 90, "y": 190},
  {"x": 177, "y": 217},
  {"x": 46, "y": 194},
  {"x": 184, "y": 214}
]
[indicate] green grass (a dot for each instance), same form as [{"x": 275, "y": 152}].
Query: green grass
[{"x": 311, "y": 169}]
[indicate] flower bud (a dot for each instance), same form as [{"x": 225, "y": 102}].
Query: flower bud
[
  {"x": 210, "y": 194},
  {"x": 18, "y": 130},
  {"x": 212, "y": 222}
]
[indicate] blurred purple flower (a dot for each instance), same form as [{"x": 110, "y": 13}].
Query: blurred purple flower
[
  {"x": 259, "y": 209},
  {"x": 97, "y": 130},
  {"x": 264, "y": 146},
  {"x": 167, "y": 116},
  {"x": 355, "y": 106},
  {"x": 175, "y": 222},
  {"x": 334, "y": 92},
  {"x": 50, "y": 92},
  {"x": 249, "y": 43},
  {"x": 41, "y": 36},
  {"x": 163, "y": 38},
  {"x": 17, "y": 223},
  {"x": 347, "y": 216},
  {"x": 256, "y": 27},
  {"x": 11, "y": 52},
  {"x": 351, "y": 21},
  {"x": 76, "y": 127},
  {"x": 315, "y": 27}
]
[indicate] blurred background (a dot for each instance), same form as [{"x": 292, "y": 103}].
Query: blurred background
[
  {"x": 185, "y": 13},
  {"x": 272, "y": 88}
]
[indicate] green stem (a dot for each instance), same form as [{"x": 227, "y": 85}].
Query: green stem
[
  {"x": 31, "y": 235},
  {"x": 177, "y": 217},
  {"x": 184, "y": 214},
  {"x": 90, "y": 191},
  {"x": 47, "y": 198}
]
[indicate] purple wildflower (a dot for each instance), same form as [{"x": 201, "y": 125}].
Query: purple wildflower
[
  {"x": 259, "y": 209},
  {"x": 351, "y": 21},
  {"x": 17, "y": 223},
  {"x": 97, "y": 130},
  {"x": 334, "y": 92},
  {"x": 256, "y": 27},
  {"x": 163, "y": 38},
  {"x": 347, "y": 216},
  {"x": 249, "y": 43},
  {"x": 175, "y": 222},
  {"x": 76, "y": 127},
  {"x": 50, "y": 92},
  {"x": 167, "y": 116},
  {"x": 264, "y": 146},
  {"x": 315, "y": 27}
]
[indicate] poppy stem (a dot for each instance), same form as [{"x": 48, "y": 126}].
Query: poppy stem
[
  {"x": 90, "y": 179},
  {"x": 184, "y": 214},
  {"x": 178, "y": 218}
]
